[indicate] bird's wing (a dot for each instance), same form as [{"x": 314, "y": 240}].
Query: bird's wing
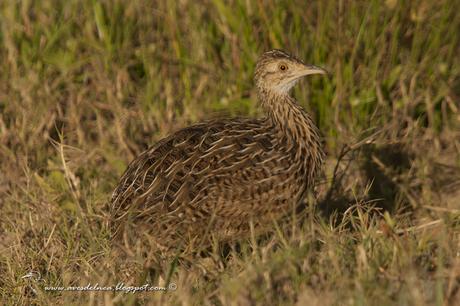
[{"x": 182, "y": 167}]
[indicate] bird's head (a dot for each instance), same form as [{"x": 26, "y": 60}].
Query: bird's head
[{"x": 277, "y": 72}]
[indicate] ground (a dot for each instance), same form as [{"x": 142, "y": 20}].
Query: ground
[{"x": 87, "y": 85}]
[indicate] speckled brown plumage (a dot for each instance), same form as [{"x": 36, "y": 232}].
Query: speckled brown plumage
[{"x": 215, "y": 179}]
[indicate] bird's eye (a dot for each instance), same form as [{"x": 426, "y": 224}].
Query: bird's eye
[{"x": 283, "y": 67}]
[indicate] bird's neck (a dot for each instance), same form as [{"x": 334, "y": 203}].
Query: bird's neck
[
  {"x": 290, "y": 118},
  {"x": 295, "y": 126}
]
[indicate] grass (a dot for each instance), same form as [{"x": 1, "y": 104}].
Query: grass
[{"x": 87, "y": 85}]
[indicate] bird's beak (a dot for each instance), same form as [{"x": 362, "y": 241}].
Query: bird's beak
[
  {"x": 310, "y": 69},
  {"x": 298, "y": 73}
]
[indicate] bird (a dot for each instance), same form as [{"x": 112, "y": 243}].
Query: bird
[{"x": 223, "y": 179}]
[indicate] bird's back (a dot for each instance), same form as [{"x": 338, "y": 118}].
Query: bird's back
[{"x": 210, "y": 178}]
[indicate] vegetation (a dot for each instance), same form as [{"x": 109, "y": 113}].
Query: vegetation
[{"x": 87, "y": 85}]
